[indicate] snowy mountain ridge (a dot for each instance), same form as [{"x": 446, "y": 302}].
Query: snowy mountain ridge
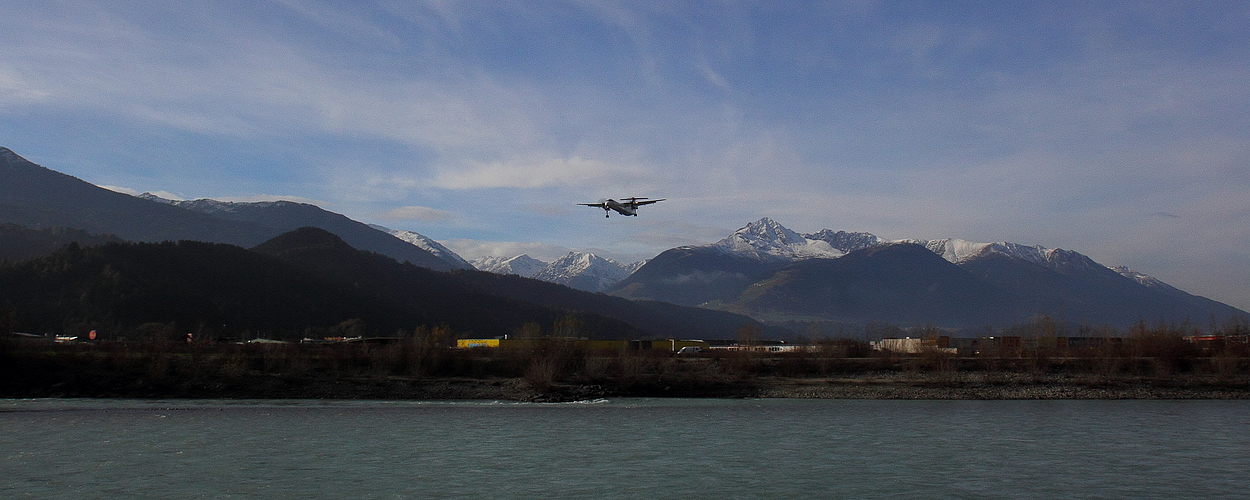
[
  {"x": 522, "y": 265},
  {"x": 1145, "y": 280},
  {"x": 280, "y": 216},
  {"x": 429, "y": 245},
  {"x": 584, "y": 271},
  {"x": 209, "y": 205},
  {"x": 580, "y": 270},
  {"x": 765, "y": 239},
  {"x": 768, "y": 240}
]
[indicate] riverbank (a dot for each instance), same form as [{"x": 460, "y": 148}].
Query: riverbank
[
  {"x": 969, "y": 386},
  {"x": 556, "y": 373},
  {"x": 980, "y": 386}
]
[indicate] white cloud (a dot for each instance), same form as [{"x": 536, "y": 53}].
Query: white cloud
[
  {"x": 470, "y": 249},
  {"x": 414, "y": 212},
  {"x": 134, "y": 192},
  {"x": 255, "y": 83},
  {"x": 124, "y": 190},
  {"x": 536, "y": 173},
  {"x": 14, "y": 90},
  {"x": 253, "y": 198},
  {"x": 712, "y": 76}
]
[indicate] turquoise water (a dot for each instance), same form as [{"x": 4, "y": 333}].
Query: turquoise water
[{"x": 624, "y": 448}]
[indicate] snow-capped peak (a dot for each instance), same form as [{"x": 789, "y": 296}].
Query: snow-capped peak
[
  {"x": 584, "y": 271},
  {"x": 958, "y": 251},
  {"x": 580, "y": 270},
  {"x": 151, "y": 197},
  {"x": 429, "y": 245},
  {"x": 636, "y": 266},
  {"x": 765, "y": 239},
  {"x": 209, "y": 205},
  {"x": 1143, "y": 279},
  {"x": 577, "y": 263},
  {"x": 954, "y": 250},
  {"x": 521, "y": 265},
  {"x": 847, "y": 242}
]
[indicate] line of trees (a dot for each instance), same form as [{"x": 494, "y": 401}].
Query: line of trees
[{"x": 159, "y": 365}]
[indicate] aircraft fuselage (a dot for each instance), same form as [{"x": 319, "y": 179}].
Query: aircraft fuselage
[{"x": 626, "y": 209}]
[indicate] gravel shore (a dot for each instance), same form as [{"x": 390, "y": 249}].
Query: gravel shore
[
  {"x": 1002, "y": 386},
  {"x": 895, "y": 386},
  {"x": 882, "y": 385}
]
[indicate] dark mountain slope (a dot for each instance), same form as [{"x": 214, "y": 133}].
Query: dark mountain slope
[
  {"x": 436, "y": 297},
  {"x": 769, "y": 272},
  {"x": 691, "y": 276},
  {"x": 1085, "y": 292},
  {"x": 37, "y": 197},
  {"x": 20, "y": 242},
  {"x": 222, "y": 287},
  {"x": 659, "y": 319},
  {"x": 904, "y": 283},
  {"x": 285, "y": 216},
  {"x": 304, "y": 282}
]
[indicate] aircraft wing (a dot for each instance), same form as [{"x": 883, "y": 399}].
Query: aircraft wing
[
  {"x": 648, "y": 202},
  {"x": 596, "y": 205}
]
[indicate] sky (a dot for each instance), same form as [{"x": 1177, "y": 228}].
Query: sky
[{"x": 1120, "y": 130}]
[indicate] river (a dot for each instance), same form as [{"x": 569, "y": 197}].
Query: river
[{"x": 624, "y": 448}]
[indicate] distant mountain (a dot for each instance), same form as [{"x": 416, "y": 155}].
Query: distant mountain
[
  {"x": 483, "y": 291},
  {"x": 283, "y": 216},
  {"x": 580, "y": 270},
  {"x": 901, "y": 283},
  {"x": 36, "y": 197},
  {"x": 766, "y": 240},
  {"x": 693, "y": 276},
  {"x": 767, "y": 271},
  {"x": 583, "y": 271},
  {"x": 658, "y": 319},
  {"x": 846, "y": 242},
  {"x": 521, "y": 265}
]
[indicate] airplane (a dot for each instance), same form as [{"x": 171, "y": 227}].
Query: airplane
[{"x": 627, "y": 206}]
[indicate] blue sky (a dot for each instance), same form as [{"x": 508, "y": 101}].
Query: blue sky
[{"x": 1117, "y": 129}]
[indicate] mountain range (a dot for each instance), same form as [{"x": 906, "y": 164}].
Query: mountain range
[
  {"x": 580, "y": 270},
  {"x": 769, "y": 272},
  {"x": 764, "y": 270},
  {"x": 37, "y": 197},
  {"x": 309, "y": 282}
]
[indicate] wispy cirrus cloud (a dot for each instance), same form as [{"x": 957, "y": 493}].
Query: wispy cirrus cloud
[
  {"x": 533, "y": 173},
  {"x": 414, "y": 213},
  {"x": 1057, "y": 126},
  {"x": 253, "y": 198},
  {"x": 475, "y": 249}
]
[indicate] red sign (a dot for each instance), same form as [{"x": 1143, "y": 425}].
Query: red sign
[{"x": 91, "y": 335}]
